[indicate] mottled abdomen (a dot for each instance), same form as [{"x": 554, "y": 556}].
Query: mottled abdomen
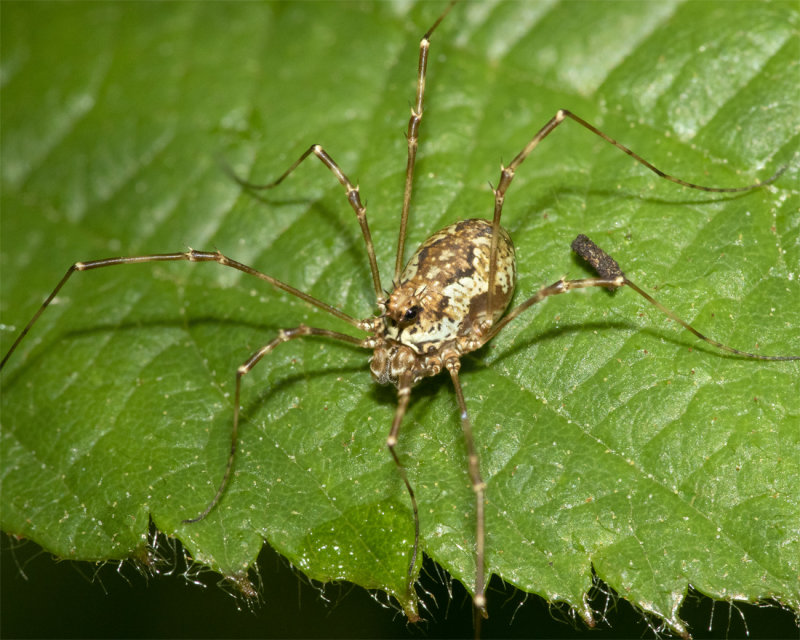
[{"x": 443, "y": 291}]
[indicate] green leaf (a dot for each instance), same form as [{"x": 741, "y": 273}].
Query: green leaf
[{"x": 608, "y": 439}]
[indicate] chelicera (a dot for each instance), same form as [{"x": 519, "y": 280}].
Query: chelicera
[{"x": 449, "y": 299}]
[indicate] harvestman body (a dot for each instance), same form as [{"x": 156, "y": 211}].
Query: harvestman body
[{"x": 449, "y": 300}]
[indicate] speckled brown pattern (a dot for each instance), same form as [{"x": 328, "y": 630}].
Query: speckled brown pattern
[{"x": 437, "y": 310}]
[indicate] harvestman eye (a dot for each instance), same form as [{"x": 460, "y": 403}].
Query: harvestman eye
[
  {"x": 448, "y": 300},
  {"x": 411, "y": 314}
]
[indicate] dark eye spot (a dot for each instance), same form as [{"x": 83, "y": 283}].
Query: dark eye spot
[{"x": 411, "y": 314}]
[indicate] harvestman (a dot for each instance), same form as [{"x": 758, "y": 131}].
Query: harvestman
[{"x": 441, "y": 307}]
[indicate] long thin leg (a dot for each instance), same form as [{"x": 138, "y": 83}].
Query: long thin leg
[
  {"x": 479, "y": 487},
  {"x": 613, "y": 280},
  {"x": 352, "y": 197},
  {"x": 507, "y": 175},
  {"x": 190, "y": 256},
  {"x": 403, "y": 395},
  {"x": 413, "y": 140},
  {"x": 284, "y": 335},
  {"x": 606, "y": 266},
  {"x": 562, "y": 286}
]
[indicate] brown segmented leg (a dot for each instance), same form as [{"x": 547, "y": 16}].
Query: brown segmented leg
[
  {"x": 607, "y": 267},
  {"x": 284, "y": 335},
  {"x": 191, "y": 256},
  {"x": 352, "y": 197},
  {"x": 413, "y": 140},
  {"x": 507, "y": 175},
  {"x": 562, "y": 286},
  {"x": 403, "y": 396},
  {"x": 479, "y": 487},
  {"x": 614, "y": 279},
  {"x": 690, "y": 328}
]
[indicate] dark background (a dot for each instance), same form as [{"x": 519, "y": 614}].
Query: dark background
[{"x": 77, "y": 599}]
